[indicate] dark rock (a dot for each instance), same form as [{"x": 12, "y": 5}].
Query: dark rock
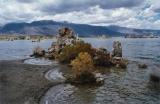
[
  {"x": 66, "y": 32},
  {"x": 103, "y": 50},
  {"x": 121, "y": 65},
  {"x": 86, "y": 78},
  {"x": 119, "y": 62},
  {"x": 155, "y": 76},
  {"x": 143, "y": 66},
  {"x": 102, "y": 58}
]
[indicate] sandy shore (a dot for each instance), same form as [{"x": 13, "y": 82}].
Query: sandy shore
[{"x": 22, "y": 83}]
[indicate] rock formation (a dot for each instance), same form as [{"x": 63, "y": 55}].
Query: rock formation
[
  {"x": 65, "y": 37},
  {"x": 83, "y": 57},
  {"x": 38, "y": 52},
  {"x": 117, "y": 59},
  {"x": 117, "y": 49}
]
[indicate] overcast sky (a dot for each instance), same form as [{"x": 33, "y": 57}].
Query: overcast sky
[{"x": 128, "y": 13}]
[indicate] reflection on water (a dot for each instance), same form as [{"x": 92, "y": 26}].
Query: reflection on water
[
  {"x": 38, "y": 61},
  {"x": 68, "y": 94}
]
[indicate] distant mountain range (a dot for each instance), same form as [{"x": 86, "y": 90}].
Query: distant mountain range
[
  {"x": 133, "y": 31},
  {"x": 49, "y": 27}
]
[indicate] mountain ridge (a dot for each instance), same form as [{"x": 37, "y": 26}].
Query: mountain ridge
[{"x": 49, "y": 27}]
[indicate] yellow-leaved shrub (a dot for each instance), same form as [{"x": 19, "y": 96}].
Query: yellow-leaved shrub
[
  {"x": 70, "y": 52},
  {"x": 83, "y": 63}
]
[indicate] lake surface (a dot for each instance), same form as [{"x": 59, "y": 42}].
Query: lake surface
[
  {"x": 20, "y": 49},
  {"x": 133, "y": 49},
  {"x": 122, "y": 86}
]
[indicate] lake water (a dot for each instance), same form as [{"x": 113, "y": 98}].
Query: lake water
[
  {"x": 20, "y": 49},
  {"x": 122, "y": 86},
  {"x": 133, "y": 49}
]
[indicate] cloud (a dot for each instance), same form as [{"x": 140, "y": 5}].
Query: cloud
[
  {"x": 96, "y": 16},
  {"x": 14, "y": 11},
  {"x": 26, "y": 1},
  {"x": 60, "y": 6},
  {"x": 127, "y": 13}
]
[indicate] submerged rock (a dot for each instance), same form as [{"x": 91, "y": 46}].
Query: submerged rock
[
  {"x": 119, "y": 62},
  {"x": 99, "y": 78},
  {"x": 86, "y": 78},
  {"x": 142, "y": 66},
  {"x": 155, "y": 76}
]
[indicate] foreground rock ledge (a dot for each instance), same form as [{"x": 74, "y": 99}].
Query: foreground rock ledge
[{"x": 22, "y": 83}]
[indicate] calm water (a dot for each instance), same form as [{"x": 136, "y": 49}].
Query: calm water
[
  {"x": 133, "y": 49},
  {"x": 129, "y": 86},
  {"x": 20, "y": 49}
]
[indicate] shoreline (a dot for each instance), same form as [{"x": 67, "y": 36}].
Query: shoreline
[{"x": 23, "y": 83}]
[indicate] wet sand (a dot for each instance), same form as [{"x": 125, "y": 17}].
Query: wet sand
[{"x": 22, "y": 83}]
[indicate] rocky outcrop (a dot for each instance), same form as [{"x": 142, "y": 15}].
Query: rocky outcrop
[
  {"x": 83, "y": 57},
  {"x": 38, "y": 52},
  {"x": 117, "y": 59},
  {"x": 65, "y": 37},
  {"x": 66, "y": 32},
  {"x": 117, "y": 49},
  {"x": 102, "y": 57}
]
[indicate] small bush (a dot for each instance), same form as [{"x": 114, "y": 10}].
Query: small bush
[{"x": 82, "y": 64}]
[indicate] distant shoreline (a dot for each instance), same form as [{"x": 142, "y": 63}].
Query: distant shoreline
[
  {"x": 25, "y": 37},
  {"x": 36, "y": 38}
]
